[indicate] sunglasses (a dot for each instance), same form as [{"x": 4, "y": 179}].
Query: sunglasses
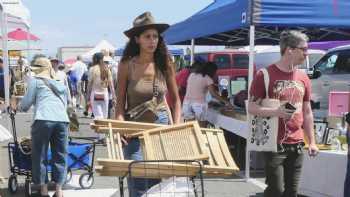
[{"x": 304, "y": 49}]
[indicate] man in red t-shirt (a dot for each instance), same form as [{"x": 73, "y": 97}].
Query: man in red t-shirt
[{"x": 289, "y": 85}]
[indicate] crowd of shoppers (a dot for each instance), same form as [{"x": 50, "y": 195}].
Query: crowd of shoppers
[{"x": 145, "y": 74}]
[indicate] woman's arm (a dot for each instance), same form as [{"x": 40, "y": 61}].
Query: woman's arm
[
  {"x": 29, "y": 97},
  {"x": 174, "y": 94},
  {"x": 216, "y": 95},
  {"x": 69, "y": 97},
  {"x": 111, "y": 85},
  {"x": 121, "y": 90},
  {"x": 90, "y": 81}
]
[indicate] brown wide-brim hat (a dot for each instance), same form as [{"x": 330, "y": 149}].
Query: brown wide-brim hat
[{"x": 143, "y": 22}]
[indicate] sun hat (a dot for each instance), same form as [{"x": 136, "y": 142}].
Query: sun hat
[
  {"x": 143, "y": 22},
  {"x": 42, "y": 68}
]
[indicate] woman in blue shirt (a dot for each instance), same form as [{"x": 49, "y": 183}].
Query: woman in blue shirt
[{"x": 50, "y": 124}]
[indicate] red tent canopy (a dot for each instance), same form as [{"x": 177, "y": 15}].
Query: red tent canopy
[
  {"x": 19, "y": 34},
  {"x": 70, "y": 61}
]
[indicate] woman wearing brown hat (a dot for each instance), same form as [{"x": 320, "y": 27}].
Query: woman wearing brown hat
[{"x": 145, "y": 74}]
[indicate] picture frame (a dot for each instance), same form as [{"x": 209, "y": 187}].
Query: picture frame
[
  {"x": 320, "y": 129},
  {"x": 237, "y": 85},
  {"x": 331, "y": 132}
]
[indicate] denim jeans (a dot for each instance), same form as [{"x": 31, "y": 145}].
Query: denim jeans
[
  {"x": 56, "y": 134},
  {"x": 138, "y": 186},
  {"x": 283, "y": 171}
]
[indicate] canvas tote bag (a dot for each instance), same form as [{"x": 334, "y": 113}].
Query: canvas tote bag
[{"x": 263, "y": 131}]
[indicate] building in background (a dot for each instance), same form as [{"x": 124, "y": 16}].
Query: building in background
[{"x": 71, "y": 52}]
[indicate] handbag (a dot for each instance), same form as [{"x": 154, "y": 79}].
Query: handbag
[
  {"x": 263, "y": 131},
  {"x": 152, "y": 105},
  {"x": 73, "y": 117},
  {"x": 99, "y": 96}
]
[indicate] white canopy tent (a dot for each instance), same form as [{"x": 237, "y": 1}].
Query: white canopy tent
[
  {"x": 13, "y": 15},
  {"x": 102, "y": 45}
]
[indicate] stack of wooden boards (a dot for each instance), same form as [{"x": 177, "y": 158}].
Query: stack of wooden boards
[{"x": 185, "y": 141}]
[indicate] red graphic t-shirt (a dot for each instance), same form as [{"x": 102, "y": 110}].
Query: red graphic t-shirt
[{"x": 293, "y": 87}]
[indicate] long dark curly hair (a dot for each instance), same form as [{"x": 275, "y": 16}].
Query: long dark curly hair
[{"x": 161, "y": 55}]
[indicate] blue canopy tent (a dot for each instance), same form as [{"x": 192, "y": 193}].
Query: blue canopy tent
[
  {"x": 227, "y": 22},
  {"x": 250, "y": 22}
]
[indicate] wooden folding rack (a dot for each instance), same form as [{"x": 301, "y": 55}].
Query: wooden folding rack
[
  {"x": 163, "y": 142},
  {"x": 177, "y": 142},
  {"x": 114, "y": 129}
]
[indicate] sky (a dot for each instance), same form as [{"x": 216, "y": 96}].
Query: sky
[{"x": 61, "y": 23}]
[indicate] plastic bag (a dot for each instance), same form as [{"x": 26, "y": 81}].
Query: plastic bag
[
  {"x": 4, "y": 134},
  {"x": 172, "y": 187}
]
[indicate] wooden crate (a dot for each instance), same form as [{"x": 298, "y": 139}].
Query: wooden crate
[{"x": 176, "y": 142}]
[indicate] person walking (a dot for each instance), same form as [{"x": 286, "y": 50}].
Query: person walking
[
  {"x": 99, "y": 81},
  {"x": 78, "y": 69},
  {"x": 50, "y": 125},
  {"x": 145, "y": 74},
  {"x": 60, "y": 74},
  {"x": 292, "y": 86}
]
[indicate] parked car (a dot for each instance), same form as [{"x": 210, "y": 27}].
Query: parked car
[
  {"x": 268, "y": 56},
  {"x": 331, "y": 73},
  {"x": 232, "y": 64}
]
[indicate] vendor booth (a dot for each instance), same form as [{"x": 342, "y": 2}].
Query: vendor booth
[
  {"x": 240, "y": 23},
  {"x": 13, "y": 15}
]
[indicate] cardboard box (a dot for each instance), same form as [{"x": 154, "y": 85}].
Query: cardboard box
[{"x": 339, "y": 103}]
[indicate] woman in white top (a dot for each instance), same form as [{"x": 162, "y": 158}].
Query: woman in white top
[
  {"x": 100, "y": 80},
  {"x": 198, "y": 84}
]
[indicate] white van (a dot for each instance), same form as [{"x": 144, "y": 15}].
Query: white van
[
  {"x": 332, "y": 73},
  {"x": 266, "y": 57}
]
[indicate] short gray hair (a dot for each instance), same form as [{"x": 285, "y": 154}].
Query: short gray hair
[{"x": 291, "y": 38}]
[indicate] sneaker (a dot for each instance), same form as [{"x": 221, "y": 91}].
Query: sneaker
[{"x": 86, "y": 113}]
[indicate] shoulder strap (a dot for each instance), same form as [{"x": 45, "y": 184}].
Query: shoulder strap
[
  {"x": 266, "y": 81},
  {"x": 155, "y": 84},
  {"x": 53, "y": 89}
]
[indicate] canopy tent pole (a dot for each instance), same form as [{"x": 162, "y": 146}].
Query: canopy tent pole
[
  {"x": 28, "y": 43},
  {"x": 250, "y": 78},
  {"x": 192, "y": 51},
  {"x": 5, "y": 57}
]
